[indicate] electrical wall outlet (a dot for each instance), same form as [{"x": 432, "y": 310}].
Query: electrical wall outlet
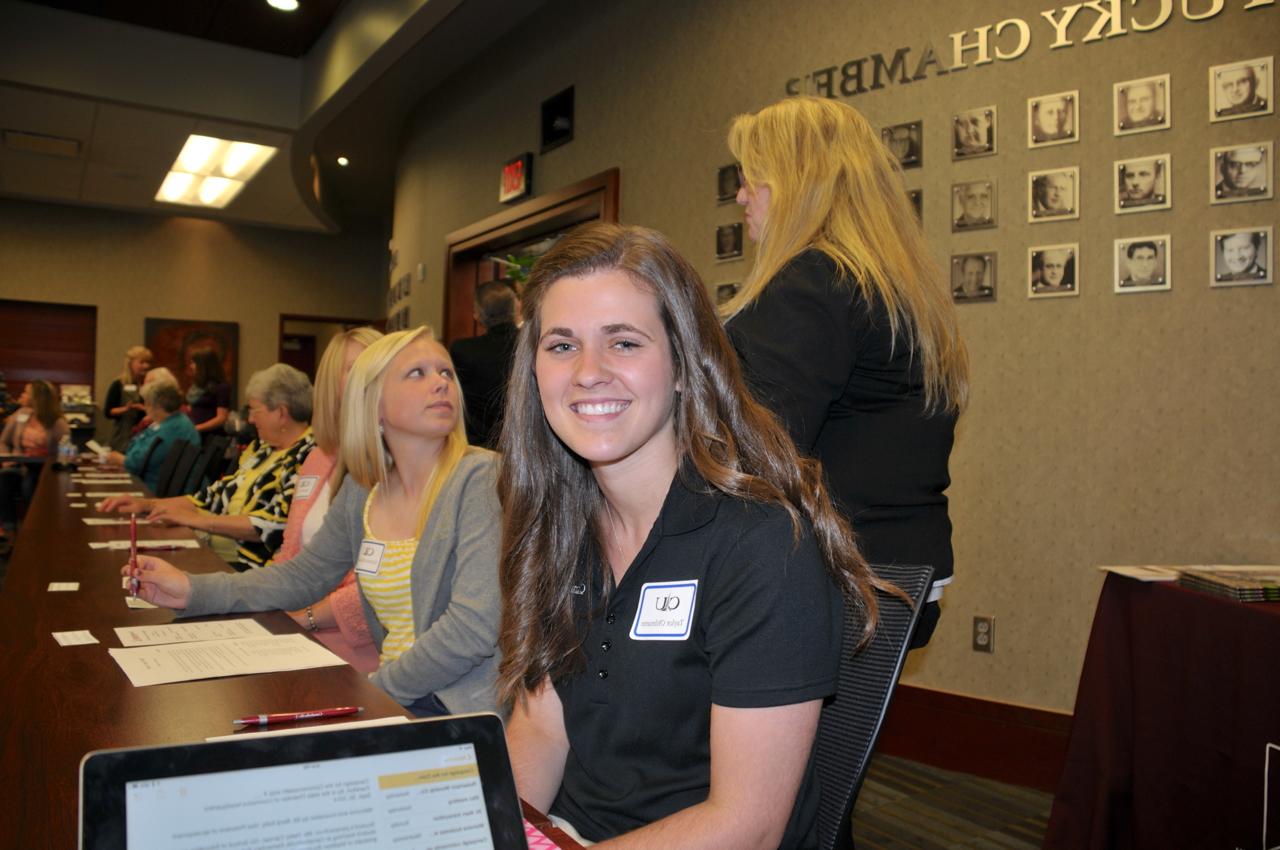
[{"x": 984, "y": 634}]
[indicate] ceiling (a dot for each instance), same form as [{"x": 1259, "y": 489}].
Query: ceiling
[
  {"x": 251, "y": 24},
  {"x": 112, "y": 150}
]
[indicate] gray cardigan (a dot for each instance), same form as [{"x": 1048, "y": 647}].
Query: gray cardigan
[{"x": 453, "y": 581}]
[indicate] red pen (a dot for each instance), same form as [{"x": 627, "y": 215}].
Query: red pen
[
  {"x": 133, "y": 554},
  {"x": 296, "y": 716}
]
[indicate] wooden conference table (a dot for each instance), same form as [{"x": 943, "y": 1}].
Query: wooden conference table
[
  {"x": 1175, "y": 740},
  {"x": 59, "y": 703}
]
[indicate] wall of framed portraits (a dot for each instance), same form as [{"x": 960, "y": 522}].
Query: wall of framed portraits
[{"x": 1103, "y": 211}]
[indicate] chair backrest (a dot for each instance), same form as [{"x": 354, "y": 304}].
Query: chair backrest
[
  {"x": 148, "y": 458},
  {"x": 176, "y": 484},
  {"x": 850, "y": 724},
  {"x": 209, "y": 465},
  {"x": 168, "y": 464}
]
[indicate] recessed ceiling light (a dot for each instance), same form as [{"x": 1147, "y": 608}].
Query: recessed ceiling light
[
  {"x": 343, "y": 161},
  {"x": 210, "y": 172},
  {"x": 284, "y": 5}
]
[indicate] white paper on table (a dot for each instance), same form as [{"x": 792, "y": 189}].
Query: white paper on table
[
  {"x": 189, "y": 632},
  {"x": 137, "y": 602},
  {"x": 156, "y": 543},
  {"x": 1144, "y": 573},
  {"x": 74, "y": 495},
  {"x": 79, "y": 504},
  {"x": 107, "y": 495},
  {"x": 63, "y": 585},
  {"x": 91, "y": 520},
  {"x": 212, "y": 659},
  {"x": 303, "y": 730},
  {"x": 79, "y": 638}
]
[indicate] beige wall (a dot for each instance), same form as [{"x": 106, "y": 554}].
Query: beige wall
[
  {"x": 1104, "y": 429},
  {"x": 134, "y": 266}
]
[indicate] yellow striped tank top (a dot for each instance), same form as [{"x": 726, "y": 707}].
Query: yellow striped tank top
[{"x": 388, "y": 592}]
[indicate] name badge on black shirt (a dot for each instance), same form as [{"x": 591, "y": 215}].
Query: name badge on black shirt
[{"x": 665, "y": 611}]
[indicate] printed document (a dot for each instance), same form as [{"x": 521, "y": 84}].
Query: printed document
[
  {"x": 213, "y": 659},
  {"x": 190, "y": 632}
]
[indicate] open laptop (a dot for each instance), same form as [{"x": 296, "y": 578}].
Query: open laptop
[{"x": 431, "y": 784}]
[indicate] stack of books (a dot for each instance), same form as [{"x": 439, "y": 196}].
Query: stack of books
[{"x": 1243, "y": 584}]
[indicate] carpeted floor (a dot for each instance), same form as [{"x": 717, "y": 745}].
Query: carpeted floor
[{"x": 904, "y": 804}]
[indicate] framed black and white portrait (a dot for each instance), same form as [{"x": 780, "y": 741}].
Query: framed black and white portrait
[
  {"x": 973, "y": 277},
  {"x": 905, "y": 142},
  {"x": 1143, "y": 184},
  {"x": 973, "y": 205},
  {"x": 1240, "y": 173},
  {"x": 916, "y": 198},
  {"x": 1140, "y": 106},
  {"x": 1053, "y": 194},
  {"x": 1241, "y": 89},
  {"x": 1142, "y": 263},
  {"x": 1053, "y": 119},
  {"x": 729, "y": 241},
  {"x": 973, "y": 133},
  {"x": 728, "y": 181},
  {"x": 725, "y": 291},
  {"x": 1052, "y": 270},
  {"x": 1241, "y": 257}
]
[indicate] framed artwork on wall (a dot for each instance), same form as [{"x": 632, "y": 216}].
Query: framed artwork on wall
[
  {"x": 1241, "y": 90},
  {"x": 1241, "y": 257},
  {"x": 1143, "y": 184},
  {"x": 1141, "y": 106},
  {"x": 1053, "y": 119},
  {"x": 173, "y": 341},
  {"x": 1052, "y": 270},
  {"x": 973, "y": 277},
  {"x": 1053, "y": 194},
  {"x": 1240, "y": 173},
  {"x": 973, "y": 133},
  {"x": 1143, "y": 263}
]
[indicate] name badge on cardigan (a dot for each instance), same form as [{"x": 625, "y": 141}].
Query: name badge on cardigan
[
  {"x": 21, "y": 417},
  {"x": 665, "y": 611},
  {"x": 305, "y": 486},
  {"x": 370, "y": 560}
]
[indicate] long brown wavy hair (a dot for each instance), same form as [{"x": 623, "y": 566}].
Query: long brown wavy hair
[{"x": 551, "y": 503}]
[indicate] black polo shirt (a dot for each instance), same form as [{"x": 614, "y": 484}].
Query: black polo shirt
[{"x": 721, "y": 606}]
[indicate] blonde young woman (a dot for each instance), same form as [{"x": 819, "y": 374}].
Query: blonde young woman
[
  {"x": 124, "y": 404},
  {"x": 338, "y": 619},
  {"x": 845, "y": 328},
  {"x": 418, "y": 516}
]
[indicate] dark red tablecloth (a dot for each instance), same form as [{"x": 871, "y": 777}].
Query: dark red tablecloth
[{"x": 1178, "y": 701}]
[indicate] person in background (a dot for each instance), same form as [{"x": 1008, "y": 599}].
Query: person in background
[
  {"x": 484, "y": 362},
  {"x": 163, "y": 406},
  {"x": 246, "y": 510},
  {"x": 845, "y": 328},
  {"x": 210, "y": 395},
  {"x": 123, "y": 404},
  {"x": 34, "y": 431},
  {"x": 418, "y": 516},
  {"x": 338, "y": 619},
  {"x": 672, "y": 570}
]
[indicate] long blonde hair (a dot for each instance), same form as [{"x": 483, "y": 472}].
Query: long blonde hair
[
  {"x": 836, "y": 188},
  {"x": 135, "y": 351},
  {"x": 326, "y": 412},
  {"x": 363, "y": 451}
]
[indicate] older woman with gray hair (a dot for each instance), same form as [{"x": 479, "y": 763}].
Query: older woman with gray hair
[
  {"x": 169, "y": 425},
  {"x": 246, "y": 510}
]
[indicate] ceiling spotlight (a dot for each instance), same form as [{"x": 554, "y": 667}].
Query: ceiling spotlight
[
  {"x": 284, "y": 5},
  {"x": 343, "y": 161}
]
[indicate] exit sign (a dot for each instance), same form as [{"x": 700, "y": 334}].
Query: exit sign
[{"x": 517, "y": 178}]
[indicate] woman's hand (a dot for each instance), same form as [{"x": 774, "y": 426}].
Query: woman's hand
[
  {"x": 125, "y": 505},
  {"x": 160, "y": 582},
  {"x": 175, "y": 512}
]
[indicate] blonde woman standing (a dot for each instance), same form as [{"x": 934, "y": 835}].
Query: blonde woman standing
[
  {"x": 845, "y": 328},
  {"x": 418, "y": 517},
  {"x": 123, "y": 404}
]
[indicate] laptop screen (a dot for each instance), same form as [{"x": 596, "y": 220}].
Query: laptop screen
[{"x": 437, "y": 785}]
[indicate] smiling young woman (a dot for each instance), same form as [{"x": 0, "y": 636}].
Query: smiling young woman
[{"x": 672, "y": 572}]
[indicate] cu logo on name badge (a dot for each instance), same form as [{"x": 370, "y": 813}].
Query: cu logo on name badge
[
  {"x": 665, "y": 611},
  {"x": 370, "y": 560}
]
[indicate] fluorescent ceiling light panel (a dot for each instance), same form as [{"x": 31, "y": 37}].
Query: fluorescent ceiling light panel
[{"x": 210, "y": 172}]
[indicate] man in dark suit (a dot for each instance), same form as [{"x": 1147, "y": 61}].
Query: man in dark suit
[{"x": 484, "y": 362}]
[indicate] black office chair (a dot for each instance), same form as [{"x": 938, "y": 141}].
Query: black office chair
[
  {"x": 148, "y": 458},
  {"x": 187, "y": 454},
  {"x": 209, "y": 465},
  {"x": 850, "y": 724}
]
